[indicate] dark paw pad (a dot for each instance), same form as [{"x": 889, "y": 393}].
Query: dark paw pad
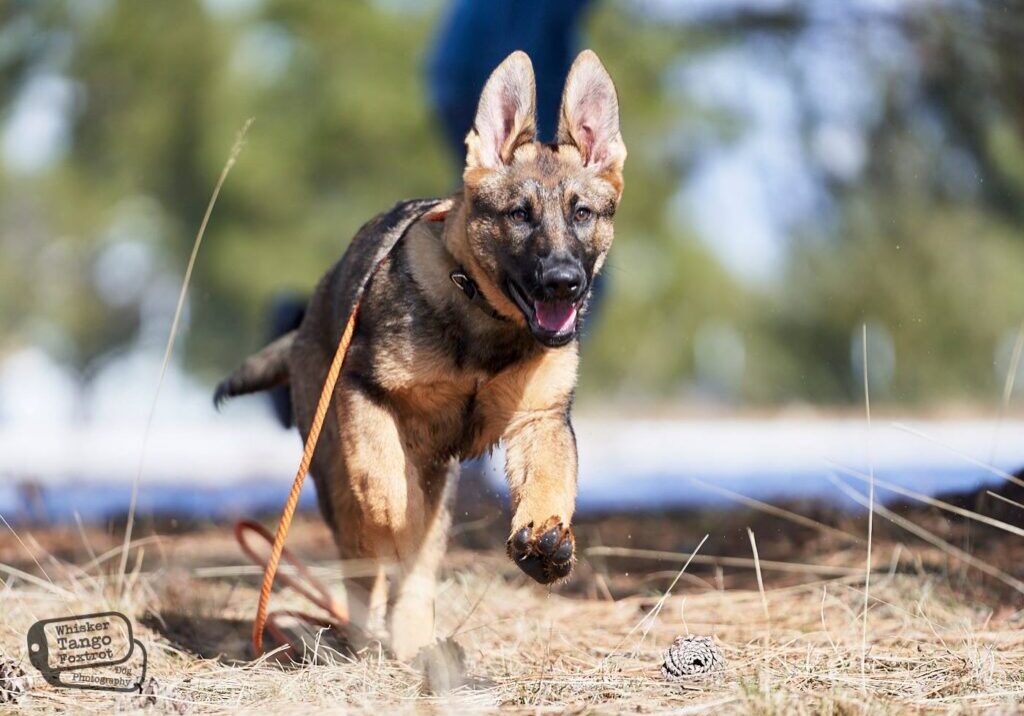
[{"x": 546, "y": 553}]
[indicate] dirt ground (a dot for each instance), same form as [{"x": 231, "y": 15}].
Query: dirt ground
[{"x": 942, "y": 629}]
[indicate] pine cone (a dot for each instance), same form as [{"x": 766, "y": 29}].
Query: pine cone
[
  {"x": 692, "y": 656},
  {"x": 14, "y": 682}
]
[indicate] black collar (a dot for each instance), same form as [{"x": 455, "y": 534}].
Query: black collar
[{"x": 468, "y": 286}]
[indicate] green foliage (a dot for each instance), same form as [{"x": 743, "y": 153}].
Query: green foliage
[
  {"x": 342, "y": 132},
  {"x": 945, "y": 280},
  {"x": 343, "y": 129}
]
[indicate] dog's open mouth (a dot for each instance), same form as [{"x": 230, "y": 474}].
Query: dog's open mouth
[{"x": 553, "y": 323}]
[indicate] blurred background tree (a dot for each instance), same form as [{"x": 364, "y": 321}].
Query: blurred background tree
[{"x": 797, "y": 169}]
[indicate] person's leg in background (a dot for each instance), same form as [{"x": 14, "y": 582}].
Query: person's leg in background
[{"x": 476, "y": 36}]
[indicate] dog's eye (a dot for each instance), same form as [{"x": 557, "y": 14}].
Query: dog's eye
[
  {"x": 519, "y": 216},
  {"x": 582, "y": 214}
]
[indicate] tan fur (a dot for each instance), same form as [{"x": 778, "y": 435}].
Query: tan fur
[
  {"x": 506, "y": 115},
  {"x": 410, "y": 404},
  {"x": 589, "y": 118},
  {"x": 527, "y": 408}
]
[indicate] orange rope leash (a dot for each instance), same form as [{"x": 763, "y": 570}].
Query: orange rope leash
[
  {"x": 317, "y": 592},
  {"x": 300, "y": 476},
  {"x": 264, "y": 621}
]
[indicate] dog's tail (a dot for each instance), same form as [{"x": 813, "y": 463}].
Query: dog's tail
[
  {"x": 262, "y": 371},
  {"x": 268, "y": 369}
]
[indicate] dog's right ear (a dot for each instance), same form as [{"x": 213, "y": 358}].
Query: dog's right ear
[
  {"x": 505, "y": 117},
  {"x": 590, "y": 117}
]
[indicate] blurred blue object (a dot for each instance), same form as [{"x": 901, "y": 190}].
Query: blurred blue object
[{"x": 476, "y": 36}]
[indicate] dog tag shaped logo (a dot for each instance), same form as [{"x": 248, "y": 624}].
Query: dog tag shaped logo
[
  {"x": 126, "y": 677},
  {"x": 60, "y": 648}
]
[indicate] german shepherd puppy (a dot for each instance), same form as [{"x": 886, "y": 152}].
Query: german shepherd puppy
[{"x": 466, "y": 336}]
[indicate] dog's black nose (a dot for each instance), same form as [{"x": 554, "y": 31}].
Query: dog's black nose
[{"x": 562, "y": 281}]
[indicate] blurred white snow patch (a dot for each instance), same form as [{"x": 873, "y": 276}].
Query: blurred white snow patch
[
  {"x": 122, "y": 391},
  {"x": 35, "y": 389},
  {"x": 36, "y": 132}
]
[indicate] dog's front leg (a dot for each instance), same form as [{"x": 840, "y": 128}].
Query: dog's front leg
[{"x": 540, "y": 450}]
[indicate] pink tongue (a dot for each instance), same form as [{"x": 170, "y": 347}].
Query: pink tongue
[{"x": 557, "y": 316}]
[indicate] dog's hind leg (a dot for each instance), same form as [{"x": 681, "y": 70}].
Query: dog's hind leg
[
  {"x": 365, "y": 593},
  {"x": 365, "y": 572},
  {"x": 411, "y": 613},
  {"x": 395, "y": 514}
]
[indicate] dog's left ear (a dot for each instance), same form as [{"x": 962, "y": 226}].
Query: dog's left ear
[{"x": 590, "y": 115}]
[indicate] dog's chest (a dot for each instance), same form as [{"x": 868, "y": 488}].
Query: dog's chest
[
  {"x": 449, "y": 417},
  {"x": 441, "y": 369},
  {"x": 452, "y": 407}
]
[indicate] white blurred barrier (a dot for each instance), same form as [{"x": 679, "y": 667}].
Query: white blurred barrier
[{"x": 222, "y": 466}]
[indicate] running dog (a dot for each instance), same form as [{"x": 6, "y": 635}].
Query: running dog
[{"x": 467, "y": 335}]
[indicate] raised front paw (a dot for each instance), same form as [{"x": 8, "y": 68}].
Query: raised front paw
[{"x": 546, "y": 553}]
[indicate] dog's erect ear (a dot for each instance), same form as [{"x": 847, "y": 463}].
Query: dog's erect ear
[
  {"x": 589, "y": 118},
  {"x": 505, "y": 116}
]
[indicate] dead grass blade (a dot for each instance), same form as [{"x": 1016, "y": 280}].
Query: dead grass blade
[
  {"x": 760, "y": 589},
  {"x": 34, "y": 580},
  {"x": 776, "y": 511},
  {"x": 959, "y": 453},
  {"x": 133, "y": 502},
  {"x": 930, "y": 538},
  {"x": 652, "y": 615},
  {"x": 743, "y": 562},
  {"x": 933, "y": 502},
  {"x": 1007, "y": 500},
  {"x": 871, "y": 502},
  {"x": 1008, "y": 384}
]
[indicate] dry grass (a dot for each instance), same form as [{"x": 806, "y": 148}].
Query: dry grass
[
  {"x": 792, "y": 649},
  {"x": 910, "y": 643}
]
